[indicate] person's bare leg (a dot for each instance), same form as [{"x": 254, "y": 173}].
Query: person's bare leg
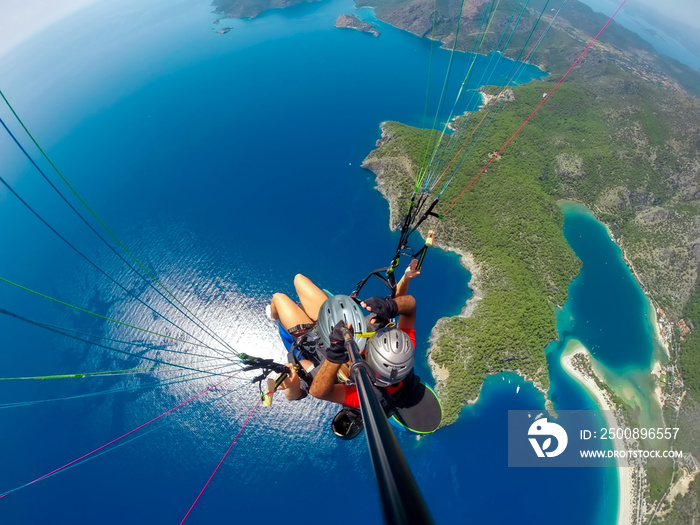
[
  {"x": 310, "y": 295},
  {"x": 287, "y": 311}
]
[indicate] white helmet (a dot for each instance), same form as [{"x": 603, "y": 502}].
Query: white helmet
[
  {"x": 390, "y": 354},
  {"x": 341, "y": 308}
]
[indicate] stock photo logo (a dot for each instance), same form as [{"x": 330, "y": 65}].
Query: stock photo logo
[{"x": 540, "y": 435}]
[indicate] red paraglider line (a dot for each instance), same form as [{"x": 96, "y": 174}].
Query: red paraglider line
[
  {"x": 537, "y": 108},
  {"x": 517, "y": 72},
  {"x": 55, "y": 471},
  {"x": 221, "y": 461}
]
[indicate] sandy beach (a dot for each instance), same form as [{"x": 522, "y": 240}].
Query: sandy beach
[
  {"x": 656, "y": 364},
  {"x": 658, "y": 391},
  {"x": 628, "y": 490}
]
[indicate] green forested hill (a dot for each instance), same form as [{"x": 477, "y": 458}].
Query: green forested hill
[
  {"x": 573, "y": 28},
  {"x": 617, "y": 146}
]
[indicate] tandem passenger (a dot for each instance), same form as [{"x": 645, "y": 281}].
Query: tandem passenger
[{"x": 314, "y": 332}]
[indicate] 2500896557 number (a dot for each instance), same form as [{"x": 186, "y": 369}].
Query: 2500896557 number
[{"x": 638, "y": 433}]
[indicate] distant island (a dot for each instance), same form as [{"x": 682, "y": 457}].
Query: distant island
[
  {"x": 352, "y": 22},
  {"x": 251, "y": 8}
]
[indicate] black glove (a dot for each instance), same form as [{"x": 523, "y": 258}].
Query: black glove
[
  {"x": 336, "y": 352},
  {"x": 382, "y": 308}
]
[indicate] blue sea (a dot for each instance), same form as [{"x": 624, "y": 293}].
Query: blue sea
[{"x": 228, "y": 164}]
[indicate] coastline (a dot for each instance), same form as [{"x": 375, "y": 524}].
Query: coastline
[
  {"x": 628, "y": 486},
  {"x": 476, "y": 270},
  {"x": 648, "y": 388},
  {"x": 654, "y": 320},
  {"x": 378, "y": 167},
  {"x": 467, "y": 260},
  {"x": 486, "y": 99},
  {"x": 658, "y": 358}
]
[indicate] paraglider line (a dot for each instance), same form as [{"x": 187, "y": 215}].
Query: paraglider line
[
  {"x": 198, "y": 322},
  {"x": 222, "y": 460},
  {"x": 117, "y": 439},
  {"x": 538, "y": 107}
]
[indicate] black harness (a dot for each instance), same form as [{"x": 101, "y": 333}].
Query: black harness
[
  {"x": 390, "y": 401},
  {"x": 307, "y": 345},
  {"x": 386, "y": 275}
]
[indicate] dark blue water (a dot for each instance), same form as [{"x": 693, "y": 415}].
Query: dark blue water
[{"x": 228, "y": 163}]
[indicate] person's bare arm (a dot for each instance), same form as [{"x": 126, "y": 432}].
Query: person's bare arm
[
  {"x": 410, "y": 273},
  {"x": 324, "y": 385}
]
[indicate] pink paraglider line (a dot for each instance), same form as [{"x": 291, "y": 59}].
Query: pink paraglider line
[
  {"x": 221, "y": 461},
  {"x": 55, "y": 471}
]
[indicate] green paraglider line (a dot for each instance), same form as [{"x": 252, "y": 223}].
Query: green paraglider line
[
  {"x": 430, "y": 63},
  {"x": 421, "y": 173},
  {"x": 147, "y": 346},
  {"x": 513, "y": 78},
  {"x": 198, "y": 322},
  {"x": 497, "y": 52},
  {"x": 497, "y": 155},
  {"x": 436, "y": 148},
  {"x": 44, "y": 296},
  {"x": 80, "y": 375},
  {"x": 149, "y": 431},
  {"x": 67, "y": 465},
  {"x": 71, "y": 245},
  {"x": 57, "y": 331},
  {"x": 184, "y": 378}
]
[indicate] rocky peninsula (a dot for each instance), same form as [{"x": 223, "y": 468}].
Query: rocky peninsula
[
  {"x": 510, "y": 318},
  {"x": 352, "y": 22}
]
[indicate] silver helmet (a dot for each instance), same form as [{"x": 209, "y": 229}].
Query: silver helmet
[
  {"x": 390, "y": 355},
  {"x": 341, "y": 308}
]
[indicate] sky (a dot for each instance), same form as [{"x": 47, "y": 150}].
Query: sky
[
  {"x": 686, "y": 11},
  {"x": 20, "y": 19},
  {"x": 672, "y": 27}
]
